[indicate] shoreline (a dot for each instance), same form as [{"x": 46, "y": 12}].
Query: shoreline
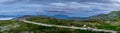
[{"x": 8, "y": 18}]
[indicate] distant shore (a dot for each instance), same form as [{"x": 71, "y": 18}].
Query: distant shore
[{"x": 8, "y": 18}]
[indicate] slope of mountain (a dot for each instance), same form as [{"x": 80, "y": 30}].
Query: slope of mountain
[{"x": 113, "y": 16}]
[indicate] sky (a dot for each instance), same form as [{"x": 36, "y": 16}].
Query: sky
[{"x": 75, "y": 8}]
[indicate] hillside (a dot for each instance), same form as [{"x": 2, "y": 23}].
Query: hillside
[
  {"x": 108, "y": 21},
  {"x": 15, "y": 26},
  {"x": 113, "y": 16}
]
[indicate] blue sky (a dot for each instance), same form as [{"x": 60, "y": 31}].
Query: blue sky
[{"x": 76, "y": 8}]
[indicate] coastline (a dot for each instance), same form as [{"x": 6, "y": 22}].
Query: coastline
[{"x": 8, "y": 18}]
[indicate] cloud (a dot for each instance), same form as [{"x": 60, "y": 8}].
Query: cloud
[
  {"x": 90, "y": 8},
  {"x": 78, "y": 8},
  {"x": 6, "y": 0}
]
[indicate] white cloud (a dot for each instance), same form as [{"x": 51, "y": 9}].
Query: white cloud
[
  {"x": 58, "y": 4},
  {"x": 6, "y": 0},
  {"x": 77, "y": 8},
  {"x": 89, "y": 7},
  {"x": 114, "y": 1}
]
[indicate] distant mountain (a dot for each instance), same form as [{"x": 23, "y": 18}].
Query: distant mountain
[
  {"x": 78, "y": 18},
  {"x": 60, "y": 16},
  {"x": 113, "y": 16},
  {"x": 22, "y": 17}
]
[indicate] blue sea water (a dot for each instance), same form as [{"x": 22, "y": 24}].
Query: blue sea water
[{"x": 8, "y": 17}]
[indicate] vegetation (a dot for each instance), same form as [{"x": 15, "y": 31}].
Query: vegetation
[
  {"x": 54, "y": 21},
  {"x": 110, "y": 21},
  {"x": 21, "y": 27},
  {"x": 103, "y": 21}
]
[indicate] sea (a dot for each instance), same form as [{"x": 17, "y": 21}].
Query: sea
[{"x": 8, "y": 17}]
